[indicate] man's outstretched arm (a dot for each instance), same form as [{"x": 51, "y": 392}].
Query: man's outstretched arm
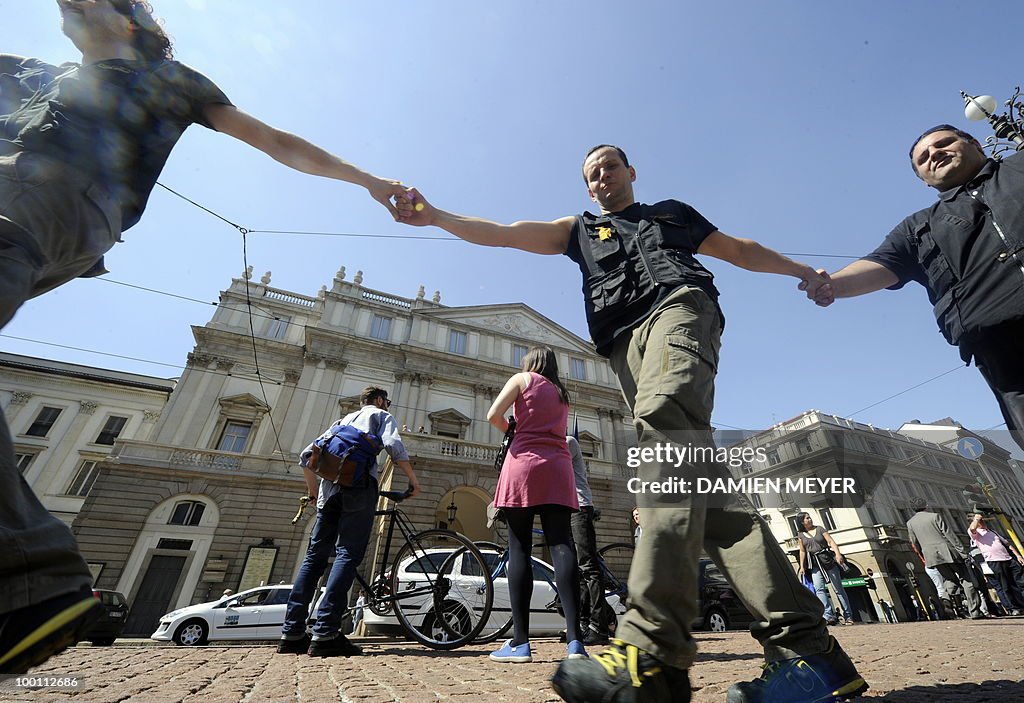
[
  {"x": 752, "y": 256},
  {"x": 297, "y": 153},
  {"x": 532, "y": 236}
]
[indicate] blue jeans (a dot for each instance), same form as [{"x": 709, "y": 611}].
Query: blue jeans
[
  {"x": 343, "y": 524},
  {"x": 821, "y": 590}
]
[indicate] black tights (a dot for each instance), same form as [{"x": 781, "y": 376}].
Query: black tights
[{"x": 555, "y": 521}]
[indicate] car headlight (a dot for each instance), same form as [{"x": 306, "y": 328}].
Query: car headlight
[{"x": 171, "y": 615}]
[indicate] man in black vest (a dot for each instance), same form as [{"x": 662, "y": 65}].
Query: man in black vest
[
  {"x": 967, "y": 250},
  {"x": 653, "y": 311}
]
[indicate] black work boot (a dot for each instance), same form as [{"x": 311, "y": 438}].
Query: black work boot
[
  {"x": 827, "y": 677},
  {"x": 621, "y": 674},
  {"x": 335, "y": 647}
]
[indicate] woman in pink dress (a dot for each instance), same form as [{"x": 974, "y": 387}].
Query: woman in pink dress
[{"x": 537, "y": 479}]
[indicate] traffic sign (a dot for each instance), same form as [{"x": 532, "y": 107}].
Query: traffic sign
[{"x": 970, "y": 448}]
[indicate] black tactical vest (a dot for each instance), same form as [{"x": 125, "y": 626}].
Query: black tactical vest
[{"x": 625, "y": 275}]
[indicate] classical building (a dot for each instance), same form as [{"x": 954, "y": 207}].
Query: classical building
[
  {"x": 204, "y": 499},
  {"x": 65, "y": 418},
  {"x": 888, "y": 468}
]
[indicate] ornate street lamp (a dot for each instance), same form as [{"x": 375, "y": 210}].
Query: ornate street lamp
[
  {"x": 452, "y": 510},
  {"x": 1009, "y": 128}
]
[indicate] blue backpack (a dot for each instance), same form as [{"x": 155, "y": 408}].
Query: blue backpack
[{"x": 345, "y": 456}]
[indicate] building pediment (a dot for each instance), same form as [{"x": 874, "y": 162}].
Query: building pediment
[
  {"x": 513, "y": 320},
  {"x": 246, "y": 401}
]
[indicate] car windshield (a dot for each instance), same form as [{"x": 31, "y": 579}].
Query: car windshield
[{"x": 428, "y": 563}]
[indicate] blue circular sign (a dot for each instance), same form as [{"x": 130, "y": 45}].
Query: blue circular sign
[{"x": 970, "y": 448}]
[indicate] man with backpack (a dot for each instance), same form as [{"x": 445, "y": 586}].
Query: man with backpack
[{"x": 345, "y": 508}]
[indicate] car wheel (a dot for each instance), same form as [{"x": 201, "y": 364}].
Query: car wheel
[
  {"x": 716, "y": 621},
  {"x": 102, "y": 641},
  {"x": 192, "y": 633}
]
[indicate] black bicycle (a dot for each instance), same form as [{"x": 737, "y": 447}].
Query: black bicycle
[{"x": 437, "y": 586}]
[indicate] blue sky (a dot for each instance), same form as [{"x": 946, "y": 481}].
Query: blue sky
[{"x": 787, "y": 122}]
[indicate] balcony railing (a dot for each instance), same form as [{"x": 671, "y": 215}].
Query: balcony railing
[{"x": 162, "y": 455}]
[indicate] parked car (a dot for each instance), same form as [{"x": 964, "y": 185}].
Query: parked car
[
  {"x": 545, "y": 618},
  {"x": 719, "y": 607},
  {"x": 255, "y": 614},
  {"x": 109, "y": 625}
]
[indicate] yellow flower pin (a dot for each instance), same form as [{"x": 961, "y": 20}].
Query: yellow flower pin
[{"x": 604, "y": 233}]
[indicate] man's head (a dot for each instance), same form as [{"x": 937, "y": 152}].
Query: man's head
[
  {"x": 88, "y": 23},
  {"x": 374, "y": 395},
  {"x": 945, "y": 157},
  {"x": 918, "y": 504},
  {"x": 609, "y": 177}
]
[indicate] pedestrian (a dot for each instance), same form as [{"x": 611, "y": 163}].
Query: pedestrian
[
  {"x": 536, "y": 480},
  {"x": 344, "y": 518},
  {"x": 1003, "y": 559},
  {"x": 821, "y": 558},
  {"x": 597, "y": 619},
  {"x": 964, "y": 249},
  {"x": 652, "y": 310},
  {"x": 939, "y": 547},
  {"x": 637, "y": 531},
  {"x": 227, "y": 592},
  {"x": 81, "y": 147},
  {"x": 357, "y": 614}
]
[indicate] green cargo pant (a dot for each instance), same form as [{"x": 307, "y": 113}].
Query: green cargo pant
[{"x": 666, "y": 367}]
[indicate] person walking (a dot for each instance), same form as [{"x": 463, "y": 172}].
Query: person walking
[
  {"x": 652, "y": 309},
  {"x": 344, "y": 518},
  {"x": 597, "y": 619},
  {"x": 939, "y": 547},
  {"x": 820, "y": 557},
  {"x": 536, "y": 480}
]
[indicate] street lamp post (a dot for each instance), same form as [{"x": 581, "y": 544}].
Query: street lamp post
[{"x": 1008, "y": 128}]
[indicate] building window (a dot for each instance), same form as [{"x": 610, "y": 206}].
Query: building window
[
  {"x": 518, "y": 352},
  {"x": 457, "y": 342},
  {"x": 380, "y": 328},
  {"x": 111, "y": 429},
  {"x": 827, "y": 521},
  {"x": 234, "y": 436},
  {"x": 44, "y": 421},
  {"x": 86, "y": 476},
  {"x": 23, "y": 461},
  {"x": 873, "y": 447},
  {"x": 756, "y": 500},
  {"x": 187, "y": 512},
  {"x": 803, "y": 446},
  {"x": 773, "y": 458},
  {"x": 747, "y": 468},
  {"x": 578, "y": 369},
  {"x": 871, "y": 514},
  {"x": 278, "y": 326}
]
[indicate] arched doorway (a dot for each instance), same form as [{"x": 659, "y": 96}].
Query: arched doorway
[
  {"x": 165, "y": 565},
  {"x": 859, "y": 594},
  {"x": 464, "y": 510}
]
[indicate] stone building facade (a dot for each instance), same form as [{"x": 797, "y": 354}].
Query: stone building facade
[
  {"x": 204, "y": 501},
  {"x": 889, "y": 468}
]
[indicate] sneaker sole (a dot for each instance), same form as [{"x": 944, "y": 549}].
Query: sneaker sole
[
  {"x": 61, "y": 631},
  {"x": 512, "y": 660},
  {"x": 854, "y": 689}
]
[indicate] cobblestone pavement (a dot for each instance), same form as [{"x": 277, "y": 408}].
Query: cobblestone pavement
[{"x": 958, "y": 661}]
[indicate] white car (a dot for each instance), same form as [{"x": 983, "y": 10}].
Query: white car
[
  {"x": 544, "y": 616},
  {"x": 255, "y": 614}
]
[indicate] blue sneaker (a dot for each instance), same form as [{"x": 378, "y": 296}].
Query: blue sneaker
[
  {"x": 576, "y": 650},
  {"x": 520, "y": 654},
  {"x": 827, "y": 677}
]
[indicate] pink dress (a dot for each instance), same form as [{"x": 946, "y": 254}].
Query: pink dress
[{"x": 538, "y": 468}]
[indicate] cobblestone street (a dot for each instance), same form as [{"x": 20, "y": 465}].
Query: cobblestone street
[{"x": 961, "y": 661}]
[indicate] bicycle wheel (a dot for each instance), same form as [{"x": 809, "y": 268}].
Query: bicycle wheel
[
  {"x": 442, "y": 589},
  {"x": 500, "y": 620},
  {"x": 615, "y": 561}
]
